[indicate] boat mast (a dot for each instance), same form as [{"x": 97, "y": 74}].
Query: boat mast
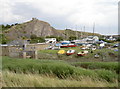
[
  {"x": 65, "y": 33},
  {"x": 93, "y": 29},
  {"x": 81, "y": 33},
  {"x": 76, "y": 33},
  {"x": 84, "y": 30}
]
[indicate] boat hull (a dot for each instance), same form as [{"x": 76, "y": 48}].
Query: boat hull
[
  {"x": 66, "y": 46},
  {"x": 69, "y": 54},
  {"x": 81, "y": 54}
]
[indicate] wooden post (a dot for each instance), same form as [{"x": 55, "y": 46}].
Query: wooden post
[
  {"x": 24, "y": 55},
  {"x": 36, "y": 56}
]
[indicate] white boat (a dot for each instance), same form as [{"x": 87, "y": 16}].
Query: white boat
[
  {"x": 56, "y": 48},
  {"x": 84, "y": 48},
  {"x": 70, "y": 52},
  {"x": 94, "y": 48},
  {"x": 65, "y": 42},
  {"x": 96, "y": 56},
  {"x": 83, "y": 53},
  {"x": 86, "y": 52}
]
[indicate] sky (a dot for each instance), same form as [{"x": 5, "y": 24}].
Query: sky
[{"x": 62, "y": 14}]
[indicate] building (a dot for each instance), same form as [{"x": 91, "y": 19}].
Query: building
[
  {"x": 50, "y": 40},
  {"x": 92, "y": 39},
  {"x": 111, "y": 38}
]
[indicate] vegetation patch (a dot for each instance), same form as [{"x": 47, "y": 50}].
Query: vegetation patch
[
  {"x": 60, "y": 69},
  {"x": 35, "y": 80},
  {"x": 112, "y": 66}
]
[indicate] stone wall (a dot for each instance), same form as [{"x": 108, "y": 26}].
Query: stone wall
[{"x": 30, "y": 50}]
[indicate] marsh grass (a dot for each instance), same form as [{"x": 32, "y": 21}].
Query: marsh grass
[
  {"x": 35, "y": 80},
  {"x": 60, "y": 69}
]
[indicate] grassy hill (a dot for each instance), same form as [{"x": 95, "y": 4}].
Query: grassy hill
[{"x": 71, "y": 33}]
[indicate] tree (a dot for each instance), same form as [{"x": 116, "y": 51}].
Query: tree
[
  {"x": 72, "y": 38},
  {"x": 33, "y": 36},
  {"x": 7, "y": 26},
  {"x": 16, "y": 23},
  {"x": 3, "y": 39},
  {"x": 3, "y": 26},
  {"x": 40, "y": 39},
  {"x": 12, "y": 25},
  {"x": 50, "y": 36},
  {"x": 35, "y": 39},
  {"x": 59, "y": 38}
]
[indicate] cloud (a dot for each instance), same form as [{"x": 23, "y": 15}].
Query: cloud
[
  {"x": 7, "y": 15},
  {"x": 64, "y": 13}
]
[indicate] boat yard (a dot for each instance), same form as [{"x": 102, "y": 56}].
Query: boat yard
[{"x": 77, "y": 50}]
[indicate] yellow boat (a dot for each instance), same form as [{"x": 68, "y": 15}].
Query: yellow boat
[{"x": 61, "y": 52}]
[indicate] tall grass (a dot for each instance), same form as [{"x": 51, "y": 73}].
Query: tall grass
[
  {"x": 113, "y": 66},
  {"x": 60, "y": 69},
  {"x": 35, "y": 80}
]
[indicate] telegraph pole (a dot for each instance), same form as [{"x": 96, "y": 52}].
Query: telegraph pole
[
  {"x": 76, "y": 33},
  {"x": 93, "y": 29}
]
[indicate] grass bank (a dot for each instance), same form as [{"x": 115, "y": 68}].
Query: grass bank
[{"x": 58, "y": 68}]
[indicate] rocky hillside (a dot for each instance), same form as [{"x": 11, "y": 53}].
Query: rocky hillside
[
  {"x": 40, "y": 29},
  {"x": 35, "y": 26}
]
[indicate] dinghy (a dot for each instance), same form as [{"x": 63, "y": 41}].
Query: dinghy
[
  {"x": 83, "y": 53},
  {"x": 96, "y": 56},
  {"x": 94, "y": 48},
  {"x": 61, "y": 52},
  {"x": 70, "y": 52}
]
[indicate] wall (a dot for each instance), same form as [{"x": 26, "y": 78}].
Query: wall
[
  {"x": 18, "y": 52},
  {"x": 33, "y": 47}
]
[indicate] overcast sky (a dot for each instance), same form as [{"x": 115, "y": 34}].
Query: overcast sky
[{"x": 61, "y": 14}]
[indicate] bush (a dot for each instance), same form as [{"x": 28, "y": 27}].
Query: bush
[
  {"x": 3, "y": 39},
  {"x": 33, "y": 36},
  {"x": 72, "y": 38},
  {"x": 35, "y": 39}
]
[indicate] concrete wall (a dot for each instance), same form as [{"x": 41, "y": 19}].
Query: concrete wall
[
  {"x": 17, "y": 51},
  {"x": 32, "y": 47},
  {"x": 14, "y": 54},
  {"x": 42, "y": 46},
  {"x": 10, "y": 50},
  {"x": 5, "y": 51}
]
